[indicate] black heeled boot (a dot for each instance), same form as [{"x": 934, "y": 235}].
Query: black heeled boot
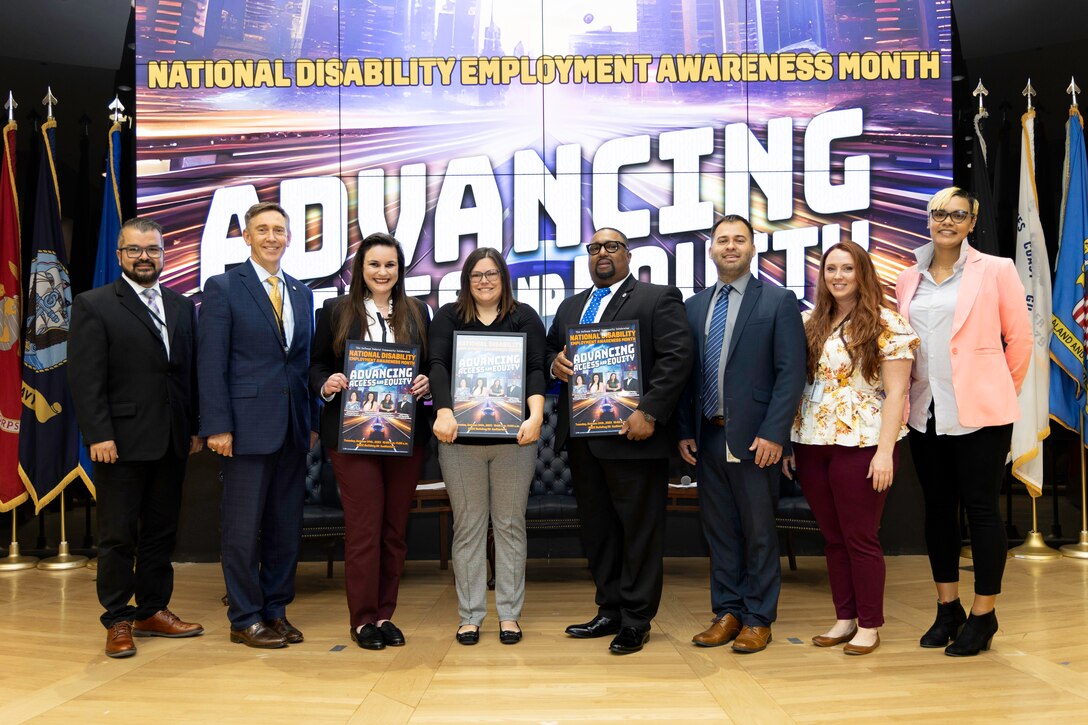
[
  {"x": 946, "y": 627},
  {"x": 976, "y": 636}
]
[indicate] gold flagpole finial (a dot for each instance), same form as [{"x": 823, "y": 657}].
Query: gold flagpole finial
[
  {"x": 981, "y": 92},
  {"x": 117, "y": 111},
  {"x": 1028, "y": 92},
  {"x": 49, "y": 101},
  {"x": 1073, "y": 90},
  {"x": 11, "y": 105}
]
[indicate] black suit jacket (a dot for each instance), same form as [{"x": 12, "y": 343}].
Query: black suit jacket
[
  {"x": 665, "y": 349},
  {"x": 764, "y": 370},
  {"x": 123, "y": 386},
  {"x": 324, "y": 362}
]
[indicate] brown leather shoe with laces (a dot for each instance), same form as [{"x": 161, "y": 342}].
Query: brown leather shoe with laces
[
  {"x": 290, "y": 633},
  {"x": 722, "y": 630},
  {"x": 119, "y": 640},
  {"x": 752, "y": 639},
  {"x": 165, "y": 623}
]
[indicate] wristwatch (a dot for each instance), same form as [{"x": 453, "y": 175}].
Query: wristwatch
[{"x": 647, "y": 416}]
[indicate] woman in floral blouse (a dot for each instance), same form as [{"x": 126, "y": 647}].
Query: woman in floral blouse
[{"x": 844, "y": 438}]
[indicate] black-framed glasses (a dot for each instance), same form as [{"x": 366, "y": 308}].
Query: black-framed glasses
[
  {"x": 610, "y": 247},
  {"x": 137, "y": 252},
  {"x": 959, "y": 216},
  {"x": 490, "y": 275}
]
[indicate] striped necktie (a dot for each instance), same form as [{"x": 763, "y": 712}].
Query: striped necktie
[
  {"x": 712, "y": 353},
  {"x": 156, "y": 314},
  {"x": 277, "y": 301}
]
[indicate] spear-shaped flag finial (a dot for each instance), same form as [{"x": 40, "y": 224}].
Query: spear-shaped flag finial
[
  {"x": 1028, "y": 92},
  {"x": 49, "y": 101},
  {"x": 11, "y": 105},
  {"x": 117, "y": 110},
  {"x": 981, "y": 92},
  {"x": 1073, "y": 90}
]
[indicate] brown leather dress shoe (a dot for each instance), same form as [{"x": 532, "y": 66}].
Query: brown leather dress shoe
[
  {"x": 165, "y": 623},
  {"x": 858, "y": 649},
  {"x": 822, "y": 640},
  {"x": 258, "y": 635},
  {"x": 722, "y": 630},
  {"x": 752, "y": 639},
  {"x": 119, "y": 640},
  {"x": 290, "y": 633}
]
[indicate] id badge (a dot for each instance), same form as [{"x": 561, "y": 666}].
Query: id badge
[{"x": 816, "y": 392}]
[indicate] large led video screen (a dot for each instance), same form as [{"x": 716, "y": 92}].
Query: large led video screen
[{"x": 527, "y": 125}]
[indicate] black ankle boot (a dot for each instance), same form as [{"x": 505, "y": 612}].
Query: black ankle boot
[
  {"x": 976, "y": 636},
  {"x": 946, "y": 627}
]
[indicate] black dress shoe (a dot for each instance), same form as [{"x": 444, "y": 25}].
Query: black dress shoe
[
  {"x": 290, "y": 633},
  {"x": 469, "y": 636},
  {"x": 391, "y": 634},
  {"x": 510, "y": 636},
  {"x": 597, "y": 627},
  {"x": 370, "y": 637},
  {"x": 630, "y": 639},
  {"x": 258, "y": 635}
]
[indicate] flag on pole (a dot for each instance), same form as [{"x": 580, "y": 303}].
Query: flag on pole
[
  {"x": 986, "y": 225},
  {"x": 1068, "y": 366},
  {"x": 1033, "y": 267},
  {"x": 48, "y": 437},
  {"x": 106, "y": 267},
  {"x": 12, "y": 490}
]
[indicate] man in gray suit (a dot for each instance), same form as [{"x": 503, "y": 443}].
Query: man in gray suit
[{"x": 734, "y": 422}]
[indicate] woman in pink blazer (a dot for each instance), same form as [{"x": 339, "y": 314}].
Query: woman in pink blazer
[{"x": 970, "y": 313}]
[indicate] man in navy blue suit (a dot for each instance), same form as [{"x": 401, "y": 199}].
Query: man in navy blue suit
[
  {"x": 255, "y": 409},
  {"x": 734, "y": 422}
]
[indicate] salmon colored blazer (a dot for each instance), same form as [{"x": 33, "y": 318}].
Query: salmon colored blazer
[{"x": 990, "y": 309}]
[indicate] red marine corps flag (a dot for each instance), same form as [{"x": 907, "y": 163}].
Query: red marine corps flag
[{"x": 12, "y": 490}]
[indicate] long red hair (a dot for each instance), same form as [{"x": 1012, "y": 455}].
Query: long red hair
[{"x": 864, "y": 323}]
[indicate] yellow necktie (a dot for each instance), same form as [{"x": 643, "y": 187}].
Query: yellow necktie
[{"x": 277, "y": 300}]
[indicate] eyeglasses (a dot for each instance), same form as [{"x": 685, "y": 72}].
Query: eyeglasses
[
  {"x": 959, "y": 216},
  {"x": 137, "y": 252},
  {"x": 610, "y": 247},
  {"x": 490, "y": 275}
]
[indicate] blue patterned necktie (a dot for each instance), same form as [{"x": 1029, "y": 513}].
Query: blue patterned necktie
[
  {"x": 594, "y": 304},
  {"x": 712, "y": 353}
]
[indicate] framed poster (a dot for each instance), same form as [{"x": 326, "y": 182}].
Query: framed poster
[
  {"x": 489, "y": 383},
  {"x": 377, "y": 411},
  {"x": 606, "y": 385}
]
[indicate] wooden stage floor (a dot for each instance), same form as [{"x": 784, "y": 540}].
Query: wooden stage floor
[{"x": 55, "y": 670}]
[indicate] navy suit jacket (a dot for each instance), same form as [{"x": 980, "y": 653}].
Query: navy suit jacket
[
  {"x": 124, "y": 388},
  {"x": 764, "y": 371},
  {"x": 664, "y": 351},
  {"x": 249, "y": 385}
]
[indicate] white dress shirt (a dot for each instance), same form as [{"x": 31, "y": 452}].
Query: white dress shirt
[
  {"x": 288, "y": 317},
  {"x": 162, "y": 323}
]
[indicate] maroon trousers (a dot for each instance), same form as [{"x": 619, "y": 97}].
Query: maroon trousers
[
  {"x": 848, "y": 511},
  {"x": 376, "y": 492}
]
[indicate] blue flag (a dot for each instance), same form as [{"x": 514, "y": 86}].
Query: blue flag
[
  {"x": 48, "y": 436},
  {"x": 1068, "y": 367},
  {"x": 106, "y": 267}
]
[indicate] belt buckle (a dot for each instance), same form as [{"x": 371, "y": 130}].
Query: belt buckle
[{"x": 718, "y": 420}]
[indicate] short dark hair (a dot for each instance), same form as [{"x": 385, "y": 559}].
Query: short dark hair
[
  {"x": 263, "y": 206},
  {"x": 729, "y": 218},
  {"x": 139, "y": 224}
]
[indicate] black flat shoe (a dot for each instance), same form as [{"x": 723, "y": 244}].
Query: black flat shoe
[
  {"x": 510, "y": 636},
  {"x": 470, "y": 636},
  {"x": 368, "y": 638},
  {"x": 391, "y": 634}
]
